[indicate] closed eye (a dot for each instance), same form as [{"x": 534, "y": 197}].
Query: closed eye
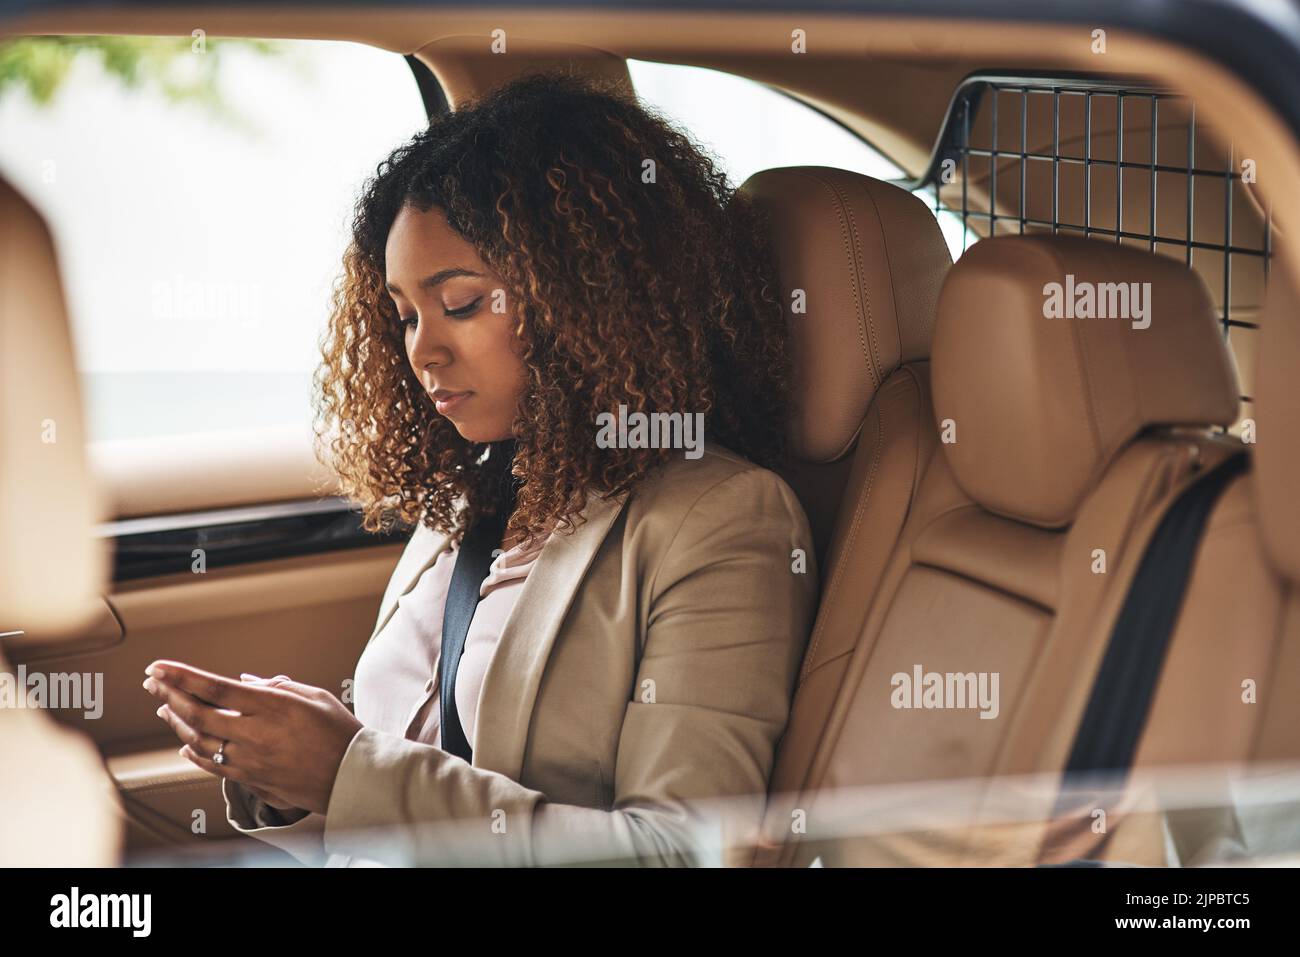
[
  {"x": 463, "y": 310},
  {"x": 409, "y": 322}
]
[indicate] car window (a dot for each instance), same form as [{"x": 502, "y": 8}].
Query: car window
[
  {"x": 749, "y": 127},
  {"x": 199, "y": 192}
]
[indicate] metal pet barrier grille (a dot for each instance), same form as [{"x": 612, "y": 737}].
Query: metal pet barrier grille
[{"x": 1136, "y": 169}]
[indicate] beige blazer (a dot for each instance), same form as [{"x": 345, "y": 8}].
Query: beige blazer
[{"x": 642, "y": 681}]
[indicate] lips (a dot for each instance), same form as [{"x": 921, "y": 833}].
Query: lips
[{"x": 445, "y": 401}]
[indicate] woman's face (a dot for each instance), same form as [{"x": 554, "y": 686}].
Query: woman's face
[{"x": 459, "y": 328}]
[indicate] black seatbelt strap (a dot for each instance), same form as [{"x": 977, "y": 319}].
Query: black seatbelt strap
[
  {"x": 1120, "y": 703},
  {"x": 473, "y": 562}
]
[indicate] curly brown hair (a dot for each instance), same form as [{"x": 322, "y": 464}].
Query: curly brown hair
[{"x": 656, "y": 293}]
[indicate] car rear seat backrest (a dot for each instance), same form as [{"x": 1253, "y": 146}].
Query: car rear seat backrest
[
  {"x": 869, "y": 259},
  {"x": 862, "y": 261},
  {"x": 1055, "y": 462},
  {"x": 1230, "y": 687}
]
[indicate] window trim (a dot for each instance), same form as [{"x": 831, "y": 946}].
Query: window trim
[{"x": 164, "y": 545}]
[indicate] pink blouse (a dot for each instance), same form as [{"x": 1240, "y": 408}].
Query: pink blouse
[{"x": 396, "y": 686}]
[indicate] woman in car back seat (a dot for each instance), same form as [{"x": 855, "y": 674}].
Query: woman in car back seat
[{"x": 559, "y": 279}]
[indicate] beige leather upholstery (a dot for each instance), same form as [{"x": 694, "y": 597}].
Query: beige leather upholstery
[
  {"x": 864, "y": 260},
  {"x": 870, "y": 259},
  {"x": 56, "y": 802},
  {"x": 58, "y": 807},
  {"x": 967, "y": 589},
  {"x": 51, "y": 567},
  {"x": 1277, "y": 462},
  {"x": 1041, "y": 405},
  {"x": 1230, "y": 688}
]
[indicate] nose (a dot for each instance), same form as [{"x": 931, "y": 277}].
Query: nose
[{"x": 427, "y": 350}]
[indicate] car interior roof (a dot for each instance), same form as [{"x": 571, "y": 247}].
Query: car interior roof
[{"x": 891, "y": 86}]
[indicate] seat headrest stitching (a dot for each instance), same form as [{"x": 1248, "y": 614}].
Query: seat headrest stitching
[
  {"x": 1085, "y": 377},
  {"x": 841, "y": 207},
  {"x": 889, "y": 268},
  {"x": 1132, "y": 372},
  {"x": 1133, "y": 378},
  {"x": 859, "y": 254}
]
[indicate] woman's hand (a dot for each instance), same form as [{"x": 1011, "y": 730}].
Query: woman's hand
[
  {"x": 266, "y": 797},
  {"x": 284, "y": 740}
]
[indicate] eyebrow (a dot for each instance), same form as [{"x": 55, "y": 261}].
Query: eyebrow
[{"x": 428, "y": 282}]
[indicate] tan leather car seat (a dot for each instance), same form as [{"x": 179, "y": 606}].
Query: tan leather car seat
[
  {"x": 860, "y": 264},
  {"x": 1229, "y": 691},
  {"x": 56, "y": 803},
  {"x": 1062, "y": 439}
]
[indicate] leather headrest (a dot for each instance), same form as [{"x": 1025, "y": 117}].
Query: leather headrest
[
  {"x": 1048, "y": 360},
  {"x": 869, "y": 259},
  {"x": 1277, "y": 452},
  {"x": 52, "y": 569}
]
